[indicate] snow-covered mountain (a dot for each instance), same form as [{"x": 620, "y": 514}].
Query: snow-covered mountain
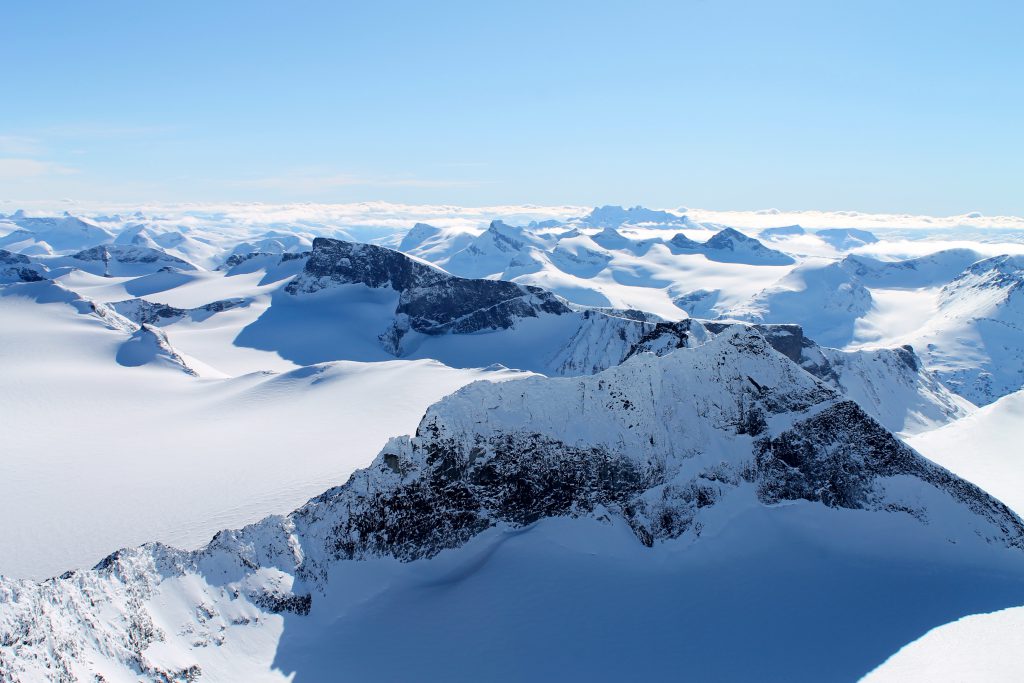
[
  {"x": 364, "y": 302},
  {"x": 683, "y": 434},
  {"x": 203, "y": 251},
  {"x": 685, "y": 453},
  {"x": 825, "y": 299},
  {"x": 120, "y": 261},
  {"x": 976, "y": 342},
  {"x": 732, "y": 246},
  {"x": 411, "y": 309},
  {"x": 961, "y": 312},
  {"x": 47, "y": 234}
]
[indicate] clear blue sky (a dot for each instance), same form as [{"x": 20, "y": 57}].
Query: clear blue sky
[{"x": 872, "y": 106}]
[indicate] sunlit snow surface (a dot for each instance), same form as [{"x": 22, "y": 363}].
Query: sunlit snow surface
[
  {"x": 106, "y": 456},
  {"x": 110, "y": 445}
]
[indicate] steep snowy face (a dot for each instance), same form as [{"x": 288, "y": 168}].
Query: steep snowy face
[
  {"x": 891, "y": 385},
  {"x": 925, "y": 271},
  {"x": 733, "y": 246},
  {"x": 826, "y": 300},
  {"x": 501, "y": 250},
  {"x": 659, "y": 444},
  {"x": 976, "y": 342},
  {"x": 61, "y": 233},
  {"x": 985, "y": 286},
  {"x": 984, "y": 448}
]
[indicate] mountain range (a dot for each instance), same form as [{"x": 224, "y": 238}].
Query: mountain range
[{"x": 629, "y": 443}]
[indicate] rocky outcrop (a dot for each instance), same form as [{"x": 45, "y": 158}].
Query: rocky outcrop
[
  {"x": 149, "y": 345},
  {"x": 143, "y": 311},
  {"x": 19, "y": 268},
  {"x": 112, "y": 259},
  {"x": 431, "y": 301}
]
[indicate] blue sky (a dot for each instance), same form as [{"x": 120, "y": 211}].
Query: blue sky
[{"x": 870, "y": 106}]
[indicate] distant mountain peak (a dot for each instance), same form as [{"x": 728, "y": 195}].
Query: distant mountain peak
[{"x": 614, "y": 216}]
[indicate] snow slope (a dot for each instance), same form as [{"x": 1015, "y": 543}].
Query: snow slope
[
  {"x": 979, "y": 647},
  {"x": 151, "y": 452},
  {"x": 607, "y": 525},
  {"x": 190, "y": 369},
  {"x": 227, "y": 325},
  {"x": 984, "y": 448}
]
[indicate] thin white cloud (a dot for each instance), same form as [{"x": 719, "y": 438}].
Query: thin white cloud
[
  {"x": 102, "y": 131},
  {"x": 19, "y": 145},
  {"x": 16, "y": 168},
  {"x": 316, "y": 215},
  {"x": 770, "y": 218},
  {"x": 314, "y": 182}
]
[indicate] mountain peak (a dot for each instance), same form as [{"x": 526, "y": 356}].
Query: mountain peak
[{"x": 614, "y": 216}]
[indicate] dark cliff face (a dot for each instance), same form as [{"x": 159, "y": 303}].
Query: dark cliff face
[
  {"x": 9, "y": 258},
  {"x": 18, "y": 268},
  {"x": 144, "y": 312},
  {"x": 133, "y": 254},
  {"x": 434, "y": 301},
  {"x": 340, "y": 262},
  {"x": 785, "y": 338}
]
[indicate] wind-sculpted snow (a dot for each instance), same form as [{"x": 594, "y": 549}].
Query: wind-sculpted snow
[
  {"x": 924, "y": 271},
  {"x": 657, "y": 442},
  {"x": 47, "y": 291},
  {"x": 976, "y": 343},
  {"x": 826, "y": 300}
]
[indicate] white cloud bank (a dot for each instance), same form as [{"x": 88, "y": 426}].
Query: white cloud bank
[{"x": 392, "y": 215}]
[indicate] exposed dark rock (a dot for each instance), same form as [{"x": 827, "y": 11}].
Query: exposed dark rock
[{"x": 785, "y": 338}]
